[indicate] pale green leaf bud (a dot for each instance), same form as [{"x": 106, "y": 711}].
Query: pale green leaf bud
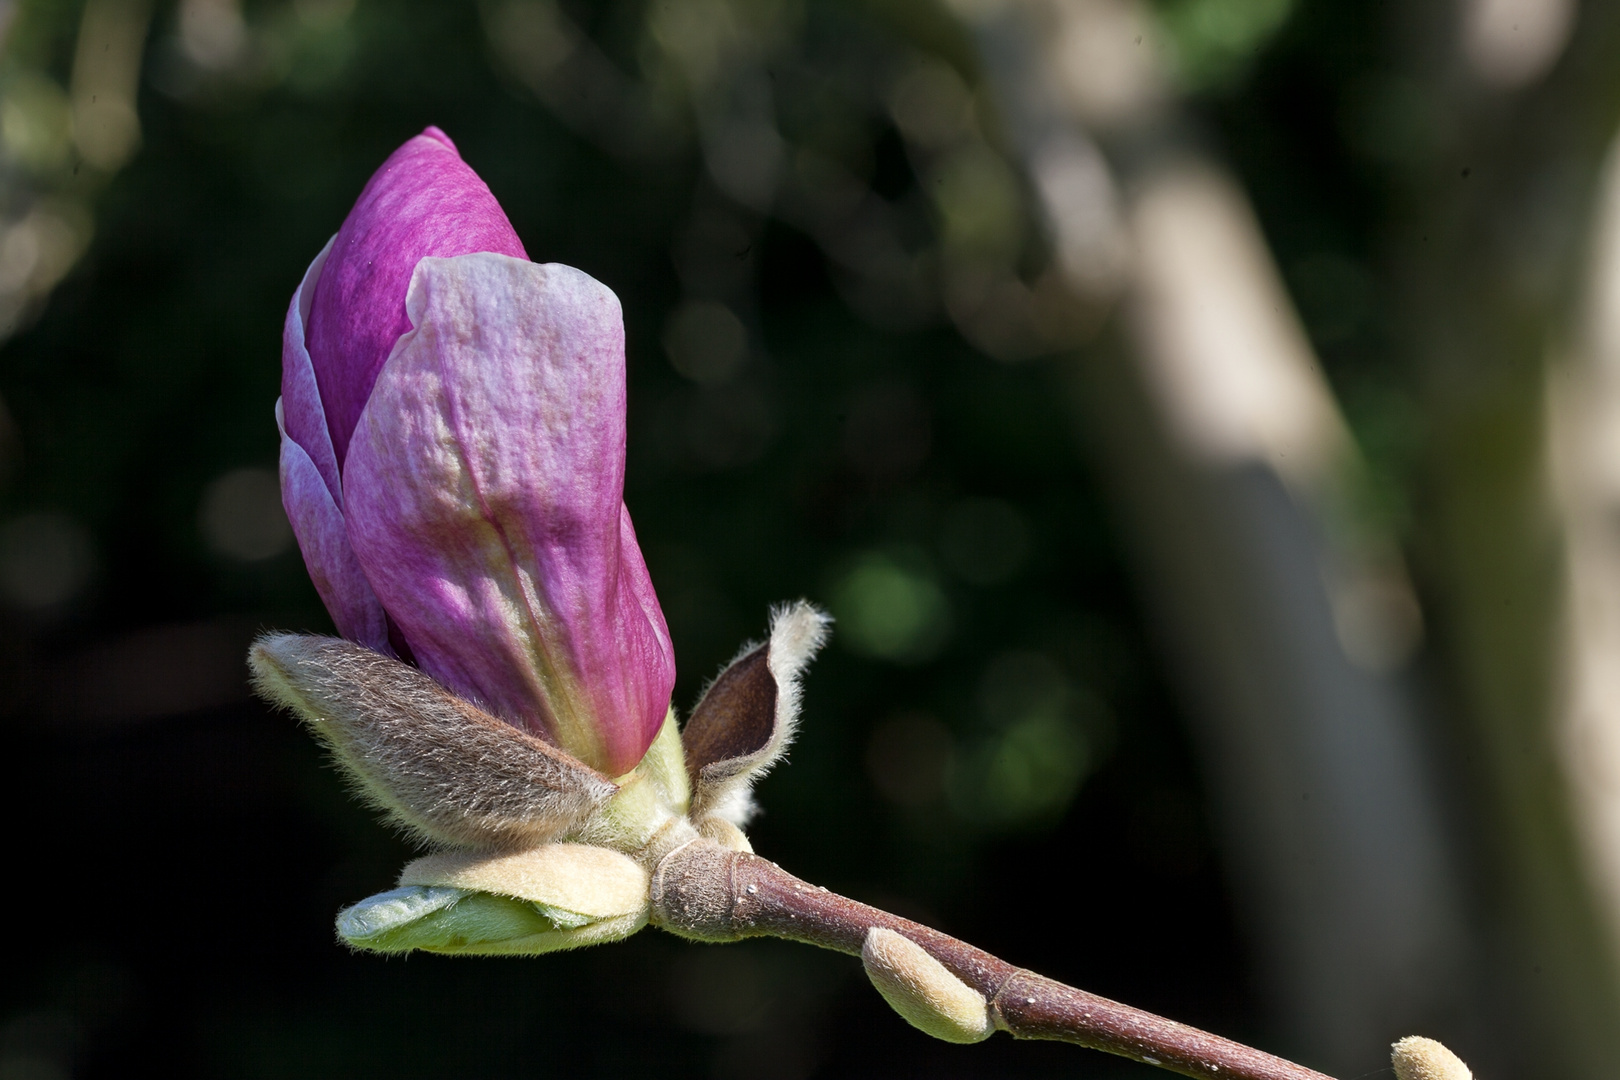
[
  {"x": 375, "y": 917},
  {"x": 450, "y": 920},
  {"x": 438, "y": 919},
  {"x": 923, "y": 990}
]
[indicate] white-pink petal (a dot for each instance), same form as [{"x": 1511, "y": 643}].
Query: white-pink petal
[{"x": 483, "y": 496}]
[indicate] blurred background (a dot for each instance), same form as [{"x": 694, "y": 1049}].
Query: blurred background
[{"x": 1201, "y": 416}]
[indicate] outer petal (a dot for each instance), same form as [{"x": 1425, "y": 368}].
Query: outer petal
[
  {"x": 423, "y": 201},
  {"x": 302, "y": 417},
  {"x": 484, "y": 495},
  {"x": 311, "y": 489},
  {"x": 322, "y": 537}
]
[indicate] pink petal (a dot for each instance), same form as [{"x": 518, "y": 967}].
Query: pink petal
[
  {"x": 302, "y": 417},
  {"x": 322, "y": 537},
  {"x": 423, "y": 201},
  {"x": 484, "y": 499}
]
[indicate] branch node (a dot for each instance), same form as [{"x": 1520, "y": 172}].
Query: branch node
[{"x": 694, "y": 894}]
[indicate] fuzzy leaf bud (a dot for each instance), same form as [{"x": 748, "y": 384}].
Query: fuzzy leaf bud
[{"x": 923, "y": 990}]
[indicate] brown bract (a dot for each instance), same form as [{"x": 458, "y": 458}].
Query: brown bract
[{"x": 746, "y": 718}]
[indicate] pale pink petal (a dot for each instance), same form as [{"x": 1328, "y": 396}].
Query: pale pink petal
[{"x": 484, "y": 496}]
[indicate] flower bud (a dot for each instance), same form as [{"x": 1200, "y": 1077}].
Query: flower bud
[{"x": 453, "y": 435}]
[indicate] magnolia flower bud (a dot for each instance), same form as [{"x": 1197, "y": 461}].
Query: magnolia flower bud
[
  {"x": 452, "y": 462},
  {"x": 453, "y": 436}
]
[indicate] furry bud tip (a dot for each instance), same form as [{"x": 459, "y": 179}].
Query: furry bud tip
[
  {"x": 1417, "y": 1058},
  {"x": 923, "y": 990}
]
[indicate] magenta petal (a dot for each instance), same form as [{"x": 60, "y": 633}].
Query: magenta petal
[
  {"x": 484, "y": 496},
  {"x": 322, "y": 537},
  {"x": 310, "y": 487},
  {"x": 423, "y": 201}
]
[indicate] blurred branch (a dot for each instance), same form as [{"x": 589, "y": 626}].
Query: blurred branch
[
  {"x": 1583, "y": 422},
  {"x": 106, "y": 74},
  {"x": 48, "y": 134}
]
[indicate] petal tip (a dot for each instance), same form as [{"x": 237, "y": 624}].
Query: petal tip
[{"x": 436, "y": 133}]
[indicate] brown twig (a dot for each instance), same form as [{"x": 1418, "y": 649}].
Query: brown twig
[{"x": 710, "y": 893}]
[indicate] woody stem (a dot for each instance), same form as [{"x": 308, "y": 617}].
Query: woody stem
[{"x": 711, "y": 893}]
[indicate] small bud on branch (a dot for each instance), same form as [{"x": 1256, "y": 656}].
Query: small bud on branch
[
  {"x": 1417, "y": 1058},
  {"x": 708, "y": 893},
  {"x": 923, "y": 990}
]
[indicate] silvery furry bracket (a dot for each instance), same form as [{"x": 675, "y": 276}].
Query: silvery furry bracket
[{"x": 532, "y": 851}]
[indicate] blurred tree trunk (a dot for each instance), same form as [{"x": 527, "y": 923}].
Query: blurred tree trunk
[
  {"x": 1233, "y": 467},
  {"x": 1289, "y": 615},
  {"x": 1492, "y": 256}
]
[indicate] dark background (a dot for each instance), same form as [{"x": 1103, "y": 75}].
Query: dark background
[{"x": 990, "y": 744}]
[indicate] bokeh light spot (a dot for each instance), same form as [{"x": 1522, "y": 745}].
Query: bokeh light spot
[
  {"x": 891, "y": 611},
  {"x": 242, "y": 518},
  {"x": 931, "y": 105},
  {"x": 46, "y": 559},
  {"x": 1028, "y": 768},
  {"x": 706, "y": 342}
]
